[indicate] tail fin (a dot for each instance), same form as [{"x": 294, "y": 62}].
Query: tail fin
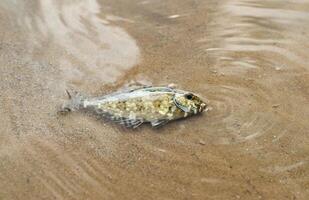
[
  {"x": 68, "y": 93},
  {"x": 74, "y": 103}
]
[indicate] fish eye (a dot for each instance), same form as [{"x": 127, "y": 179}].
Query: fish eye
[{"x": 189, "y": 96}]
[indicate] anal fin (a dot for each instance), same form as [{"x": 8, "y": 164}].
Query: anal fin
[{"x": 129, "y": 123}]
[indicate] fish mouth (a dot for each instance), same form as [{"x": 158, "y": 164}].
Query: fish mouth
[{"x": 202, "y": 107}]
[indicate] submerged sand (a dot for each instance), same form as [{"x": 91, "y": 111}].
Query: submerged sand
[{"x": 248, "y": 58}]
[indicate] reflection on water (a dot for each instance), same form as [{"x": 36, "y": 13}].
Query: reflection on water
[
  {"x": 247, "y": 57},
  {"x": 91, "y": 48}
]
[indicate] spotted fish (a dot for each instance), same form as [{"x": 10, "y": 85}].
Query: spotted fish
[{"x": 133, "y": 107}]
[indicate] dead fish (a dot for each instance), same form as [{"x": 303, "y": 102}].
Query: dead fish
[{"x": 133, "y": 107}]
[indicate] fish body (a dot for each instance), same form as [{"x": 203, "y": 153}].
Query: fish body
[{"x": 157, "y": 105}]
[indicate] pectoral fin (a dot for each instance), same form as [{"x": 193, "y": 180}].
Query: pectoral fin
[{"x": 180, "y": 106}]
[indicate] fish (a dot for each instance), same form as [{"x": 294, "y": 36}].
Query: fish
[{"x": 135, "y": 106}]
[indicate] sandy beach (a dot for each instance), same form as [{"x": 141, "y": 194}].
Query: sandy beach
[{"x": 248, "y": 58}]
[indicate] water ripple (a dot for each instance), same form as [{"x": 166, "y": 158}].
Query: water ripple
[
  {"x": 242, "y": 113},
  {"x": 253, "y": 29}
]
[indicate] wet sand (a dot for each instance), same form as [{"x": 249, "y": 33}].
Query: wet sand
[{"x": 248, "y": 58}]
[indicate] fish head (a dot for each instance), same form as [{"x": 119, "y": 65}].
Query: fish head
[{"x": 189, "y": 102}]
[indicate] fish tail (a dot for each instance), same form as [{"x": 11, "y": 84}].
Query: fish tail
[{"x": 74, "y": 102}]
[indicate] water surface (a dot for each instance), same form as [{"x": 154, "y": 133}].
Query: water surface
[{"x": 248, "y": 58}]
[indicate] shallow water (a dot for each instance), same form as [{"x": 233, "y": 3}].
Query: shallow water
[{"x": 248, "y": 58}]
